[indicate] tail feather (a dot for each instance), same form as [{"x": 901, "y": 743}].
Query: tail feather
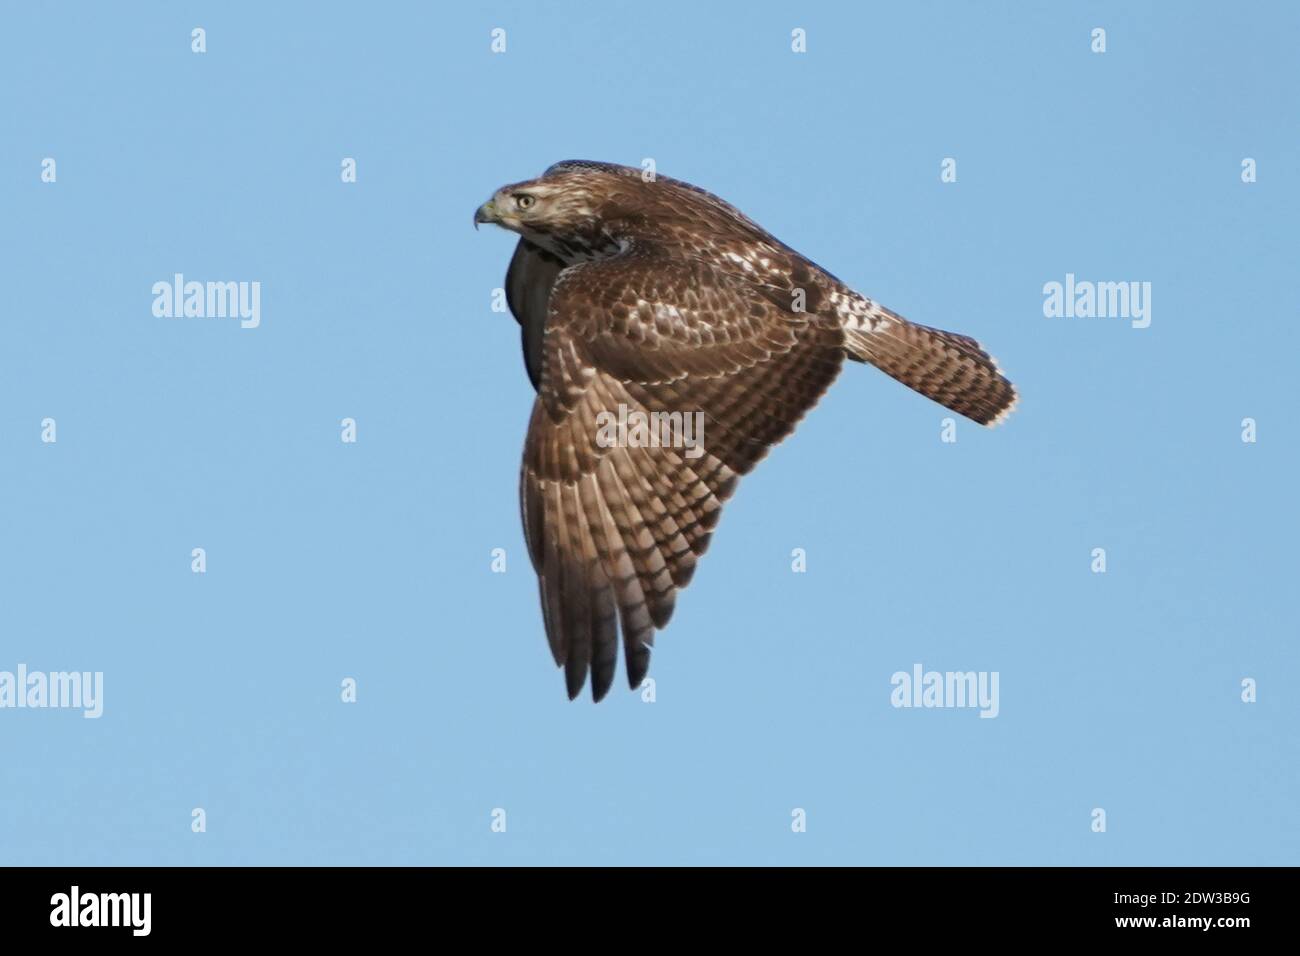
[{"x": 952, "y": 369}]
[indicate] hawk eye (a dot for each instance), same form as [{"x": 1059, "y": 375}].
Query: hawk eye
[{"x": 523, "y": 200}]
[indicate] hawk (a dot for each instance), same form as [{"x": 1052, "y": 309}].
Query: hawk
[{"x": 640, "y": 294}]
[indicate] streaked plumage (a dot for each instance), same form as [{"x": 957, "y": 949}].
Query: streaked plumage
[{"x": 659, "y": 296}]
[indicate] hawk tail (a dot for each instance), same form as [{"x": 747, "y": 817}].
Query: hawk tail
[{"x": 953, "y": 370}]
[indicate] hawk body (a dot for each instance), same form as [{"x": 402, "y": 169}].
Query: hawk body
[{"x": 660, "y": 297}]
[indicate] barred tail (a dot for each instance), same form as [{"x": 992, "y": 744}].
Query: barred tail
[{"x": 952, "y": 369}]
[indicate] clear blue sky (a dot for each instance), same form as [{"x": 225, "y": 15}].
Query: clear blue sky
[{"x": 372, "y": 560}]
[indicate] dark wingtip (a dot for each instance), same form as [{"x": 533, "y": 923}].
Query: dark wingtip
[
  {"x": 574, "y": 678},
  {"x": 638, "y": 666}
]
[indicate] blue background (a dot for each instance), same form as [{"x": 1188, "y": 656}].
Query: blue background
[{"x": 372, "y": 561}]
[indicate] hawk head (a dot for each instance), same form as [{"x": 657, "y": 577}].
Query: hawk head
[{"x": 571, "y": 210}]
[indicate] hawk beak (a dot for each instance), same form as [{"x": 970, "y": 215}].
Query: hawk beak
[{"x": 486, "y": 213}]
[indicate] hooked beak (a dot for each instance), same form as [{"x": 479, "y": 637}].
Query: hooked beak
[{"x": 486, "y": 213}]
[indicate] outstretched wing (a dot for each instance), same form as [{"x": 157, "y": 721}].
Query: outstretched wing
[{"x": 615, "y": 532}]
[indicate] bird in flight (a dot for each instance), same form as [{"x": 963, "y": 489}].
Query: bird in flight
[{"x": 643, "y": 295}]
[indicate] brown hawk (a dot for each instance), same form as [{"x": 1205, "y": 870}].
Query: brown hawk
[{"x": 643, "y": 294}]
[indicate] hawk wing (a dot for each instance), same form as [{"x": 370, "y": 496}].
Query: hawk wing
[
  {"x": 532, "y": 272},
  {"x": 614, "y": 532}
]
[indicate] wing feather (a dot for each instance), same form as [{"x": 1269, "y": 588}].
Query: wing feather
[
  {"x": 621, "y": 528},
  {"x": 529, "y": 279}
]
